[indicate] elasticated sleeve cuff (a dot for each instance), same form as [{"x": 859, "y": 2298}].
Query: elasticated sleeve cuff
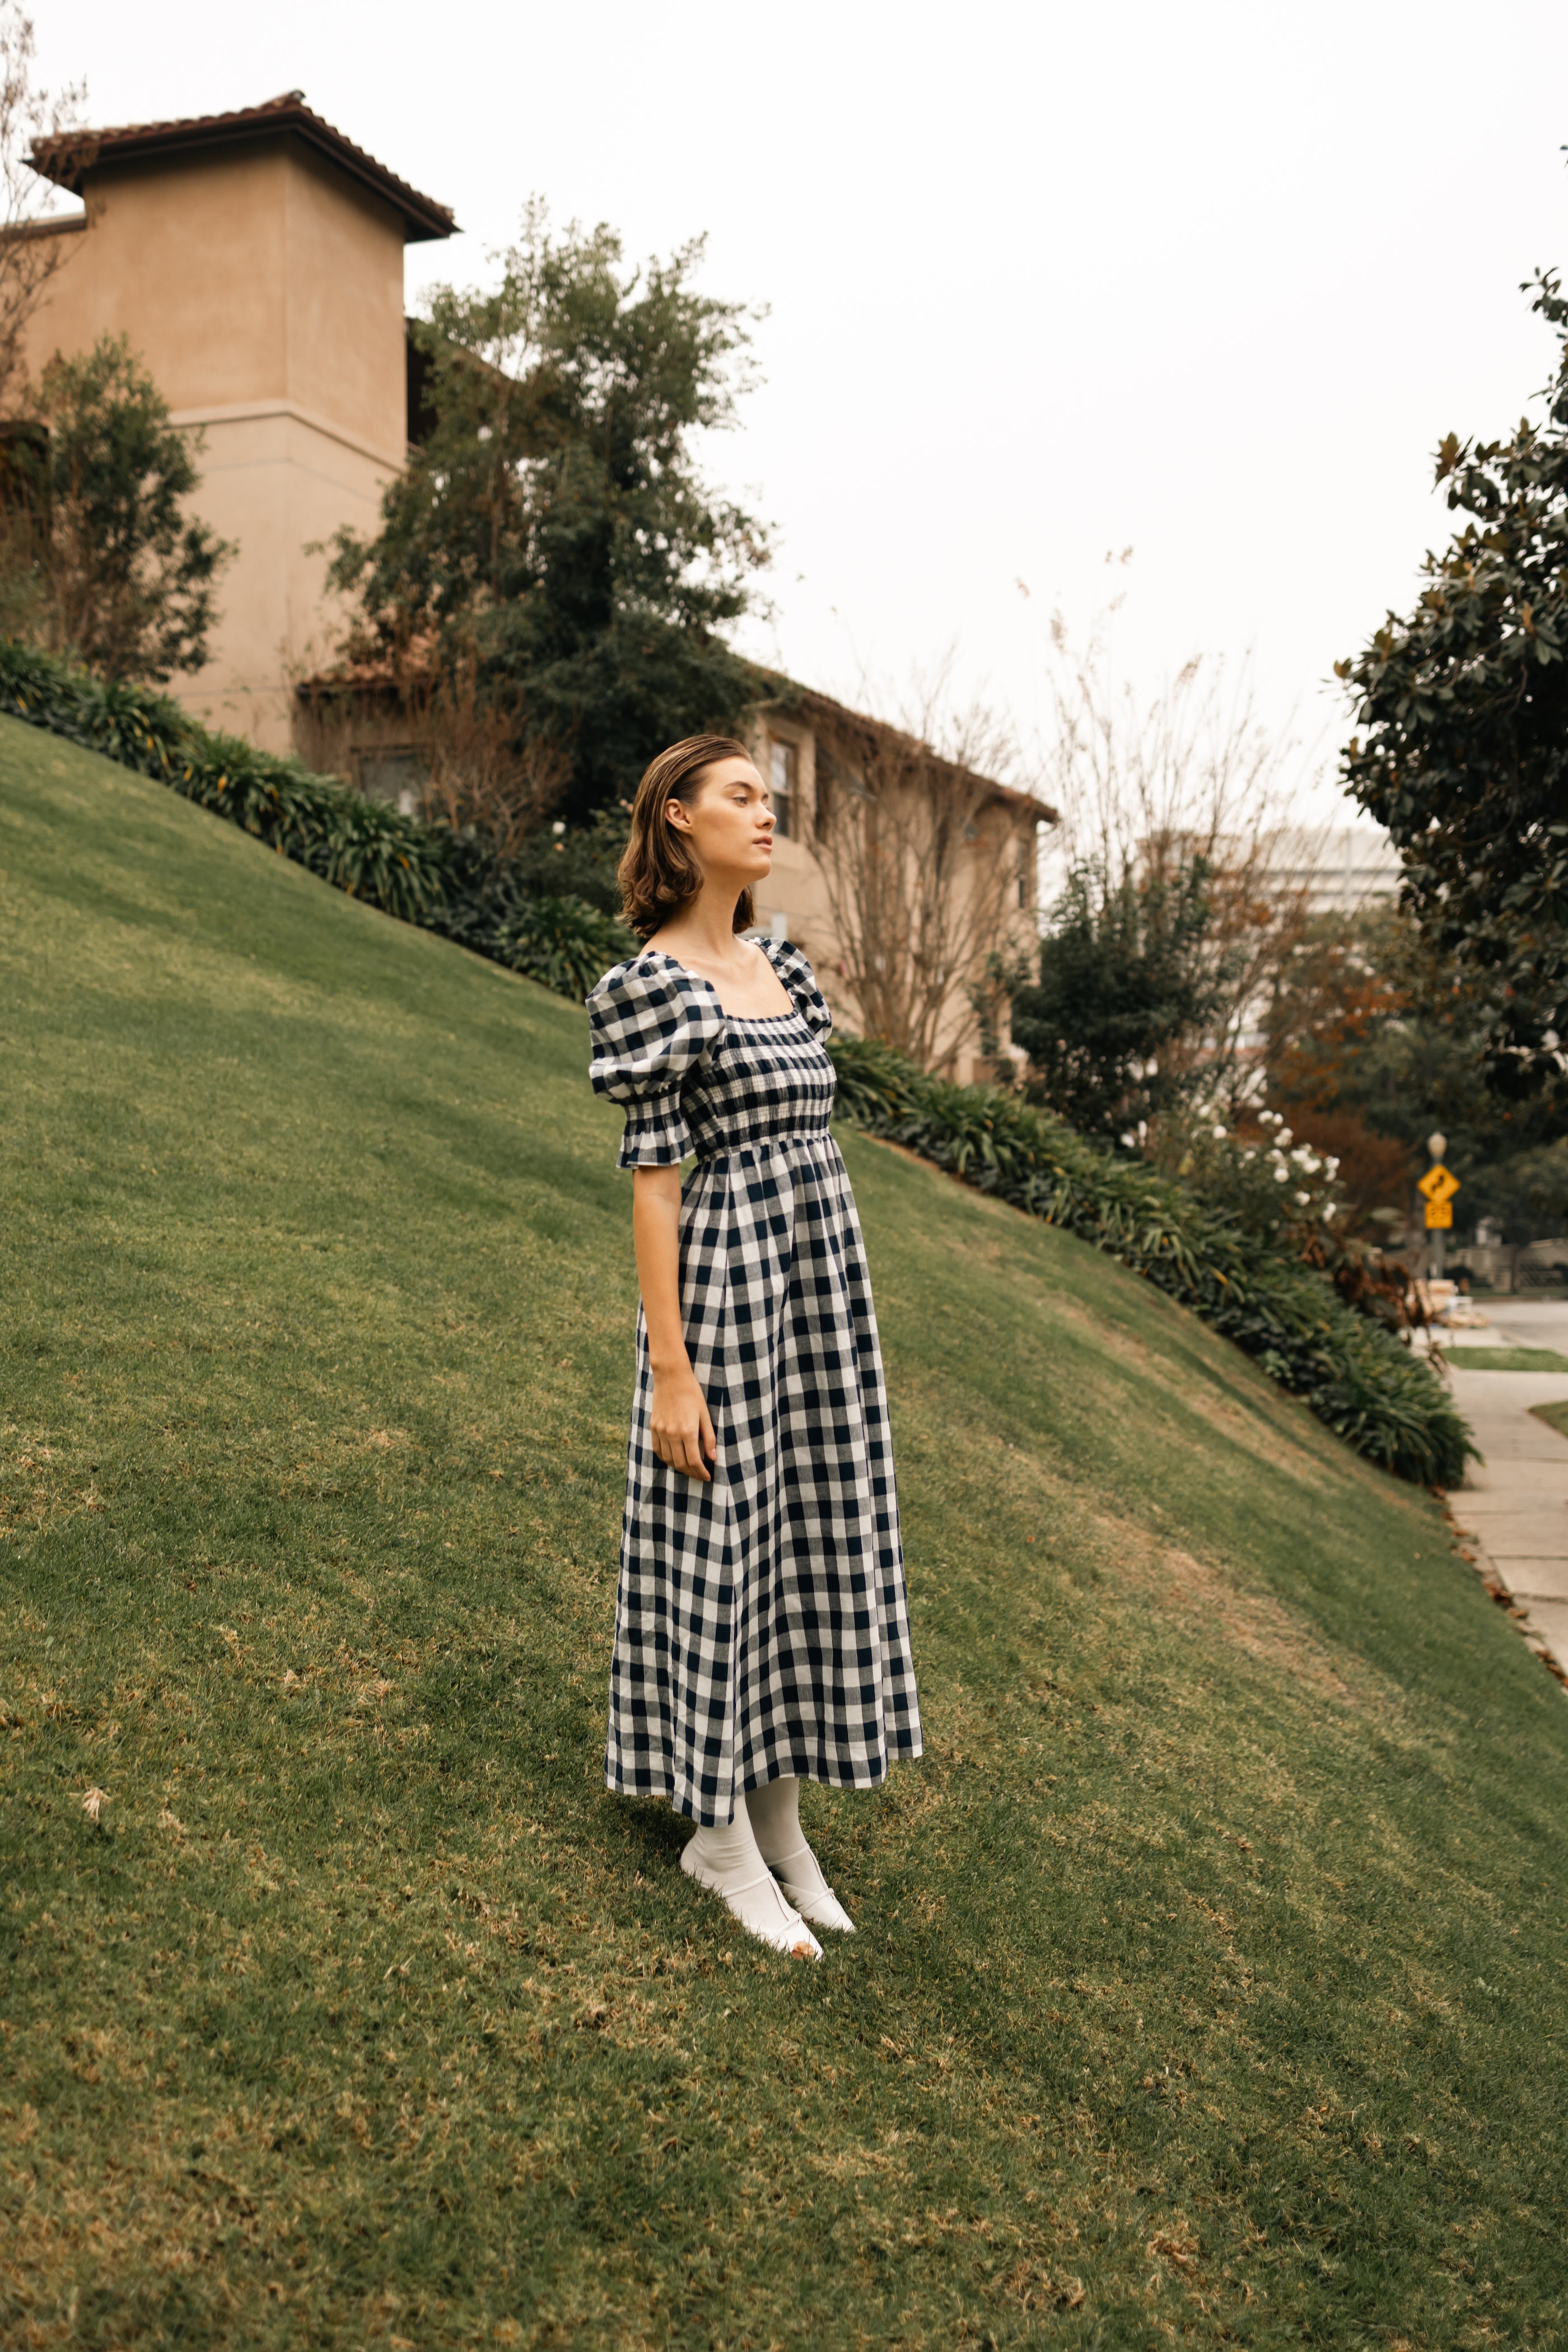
[{"x": 657, "y": 1134}]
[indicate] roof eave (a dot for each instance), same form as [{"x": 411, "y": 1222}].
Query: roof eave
[
  {"x": 824, "y": 706},
  {"x": 67, "y": 158}
]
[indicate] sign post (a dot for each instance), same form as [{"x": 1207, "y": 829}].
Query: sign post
[{"x": 1437, "y": 1189}]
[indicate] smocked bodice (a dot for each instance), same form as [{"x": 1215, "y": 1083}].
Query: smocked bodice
[{"x": 695, "y": 1078}]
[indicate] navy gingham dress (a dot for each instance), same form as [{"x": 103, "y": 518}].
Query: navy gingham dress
[{"x": 762, "y": 1628}]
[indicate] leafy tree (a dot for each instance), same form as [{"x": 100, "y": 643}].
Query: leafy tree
[
  {"x": 100, "y": 559},
  {"x": 1364, "y": 1022},
  {"x": 1525, "y": 1196},
  {"x": 1125, "y": 983},
  {"x": 1372, "y": 1042},
  {"x": 554, "y": 529},
  {"x": 1465, "y": 754}
]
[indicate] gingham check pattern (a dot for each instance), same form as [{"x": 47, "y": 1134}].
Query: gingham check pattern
[{"x": 762, "y": 1628}]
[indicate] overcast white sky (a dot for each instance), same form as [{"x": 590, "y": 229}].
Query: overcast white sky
[{"x": 1207, "y": 281}]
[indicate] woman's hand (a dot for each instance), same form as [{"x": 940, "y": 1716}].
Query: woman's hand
[{"x": 680, "y": 1425}]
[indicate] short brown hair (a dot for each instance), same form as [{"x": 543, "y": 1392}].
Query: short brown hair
[{"x": 657, "y": 873}]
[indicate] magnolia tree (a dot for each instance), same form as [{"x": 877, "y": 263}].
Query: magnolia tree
[
  {"x": 101, "y": 557},
  {"x": 1462, "y": 752}
]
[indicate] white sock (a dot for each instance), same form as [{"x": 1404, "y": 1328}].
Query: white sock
[
  {"x": 726, "y": 1860},
  {"x": 729, "y": 1849},
  {"x": 781, "y": 1841}
]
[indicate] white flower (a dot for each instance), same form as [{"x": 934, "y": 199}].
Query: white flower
[
  {"x": 1219, "y": 1134},
  {"x": 1302, "y": 1199},
  {"x": 1129, "y": 1139},
  {"x": 1282, "y": 1175},
  {"x": 1248, "y": 1154},
  {"x": 1283, "y": 1137}
]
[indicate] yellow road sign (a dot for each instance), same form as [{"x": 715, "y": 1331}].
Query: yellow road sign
[
  {"x": 1439, "y": 1215},
  {"x": 1439, "y": 1185}
]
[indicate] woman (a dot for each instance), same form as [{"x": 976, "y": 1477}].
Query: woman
[{"x": 761, "y": 1632}]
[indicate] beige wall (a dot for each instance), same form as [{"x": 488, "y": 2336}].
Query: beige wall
[
  {"x": 276, "y": 483},
  {"x": 263, "y": 289}
]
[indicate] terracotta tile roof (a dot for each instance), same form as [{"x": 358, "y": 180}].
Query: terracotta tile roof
[{"x": 67, "y": 157}]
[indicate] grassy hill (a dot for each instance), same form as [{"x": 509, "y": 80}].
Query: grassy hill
[{"x": 1209, "y": 1987}]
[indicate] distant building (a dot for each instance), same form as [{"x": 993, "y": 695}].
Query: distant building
[
  {"x": 1340, "y": 868},
  {"x": 255, "y": 261}
]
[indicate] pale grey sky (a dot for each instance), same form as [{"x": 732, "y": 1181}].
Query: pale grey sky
[{"x": 1045, "y": 281}]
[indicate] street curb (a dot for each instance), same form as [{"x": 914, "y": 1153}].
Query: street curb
[{"x": 1474, "y": 1553}]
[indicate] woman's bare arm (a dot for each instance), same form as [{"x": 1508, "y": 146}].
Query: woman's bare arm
[{"x": 679, "y": 1420}]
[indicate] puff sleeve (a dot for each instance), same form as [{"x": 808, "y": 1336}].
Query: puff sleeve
[
  {"x": 790, "y": 963},
  {"x": 653, "y": 1025}
]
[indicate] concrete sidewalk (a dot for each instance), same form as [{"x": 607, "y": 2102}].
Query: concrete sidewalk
[{"x": 1514, "y": 1507}]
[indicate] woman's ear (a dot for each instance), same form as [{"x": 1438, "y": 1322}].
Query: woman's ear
[{"x": 677, "y": 817}]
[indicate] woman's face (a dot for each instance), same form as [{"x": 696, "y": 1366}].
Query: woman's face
[{"x": 728, "y": 820}]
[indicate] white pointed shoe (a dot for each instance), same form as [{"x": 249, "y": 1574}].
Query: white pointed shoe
[
  {"x": 772, "y": 1921},
  {"x": 819, "y": 1904},
  {"x": 823, "y": 1909}
]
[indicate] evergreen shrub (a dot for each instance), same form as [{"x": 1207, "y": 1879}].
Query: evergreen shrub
[
  {"x": 418, "y": 872},
  {"x": 508, "y": 913},
  {"x": 1354, "y": 1375}
]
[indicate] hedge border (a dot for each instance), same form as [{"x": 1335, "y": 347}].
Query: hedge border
[
  {"x": 416, "y": 872},
  {"x": 1354, "y": 1375},
  {"x": 1358, "y": 1378}
]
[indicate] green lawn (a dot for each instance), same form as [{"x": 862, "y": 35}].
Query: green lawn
[
  {"x": 1503, "y": 1359},
  {"x": 1209, "y": 1988}
]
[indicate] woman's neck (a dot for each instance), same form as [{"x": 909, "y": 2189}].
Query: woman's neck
[{"x": 707, "y": 923}]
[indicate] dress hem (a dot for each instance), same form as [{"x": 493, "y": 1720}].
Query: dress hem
[{"x": 793, "y": 1769}]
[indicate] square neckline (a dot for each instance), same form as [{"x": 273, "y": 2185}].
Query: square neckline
[{"x": 751, "y": 1019}]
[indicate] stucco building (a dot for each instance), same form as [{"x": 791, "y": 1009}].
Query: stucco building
[
  {"x": 899, "y": 872},
  {"x": 255, "y": 261}
]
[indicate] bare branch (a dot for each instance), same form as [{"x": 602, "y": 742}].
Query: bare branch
[
  {"x": 32, "y": 246},
  {"x": 1147, "y": 787},
  {"x": 481, "y": 770},
  {"x": 928, "y": 866},
  {"x": 476, "y": 768}
]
